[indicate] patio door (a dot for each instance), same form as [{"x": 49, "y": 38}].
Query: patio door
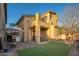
[{"x": 33, "y": 38}]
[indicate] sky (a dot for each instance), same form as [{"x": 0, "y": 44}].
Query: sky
[{"x": 16, "y": 10}]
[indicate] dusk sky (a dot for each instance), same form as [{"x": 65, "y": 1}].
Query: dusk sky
[{"x": 15, "y": 11}]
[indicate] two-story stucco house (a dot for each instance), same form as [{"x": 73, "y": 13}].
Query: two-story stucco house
[{"x": 39, "y": 27}]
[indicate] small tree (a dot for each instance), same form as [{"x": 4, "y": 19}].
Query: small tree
[{"x": 70, "y": 19}]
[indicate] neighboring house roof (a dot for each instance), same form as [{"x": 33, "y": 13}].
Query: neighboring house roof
[{"x": 21, "y": 18}]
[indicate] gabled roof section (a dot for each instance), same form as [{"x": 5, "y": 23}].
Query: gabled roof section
[
  {"x": 20, "y": 20},
  {"x": 22, "y": 17}
]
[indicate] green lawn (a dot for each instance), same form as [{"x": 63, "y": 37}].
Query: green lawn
[{"x": 49, "y": 49}]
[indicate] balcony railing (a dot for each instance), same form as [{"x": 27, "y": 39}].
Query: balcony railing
[{"x": 44, "y": 24}]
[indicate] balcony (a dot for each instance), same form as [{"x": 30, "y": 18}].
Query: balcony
[{"x": 42, "y": 24}]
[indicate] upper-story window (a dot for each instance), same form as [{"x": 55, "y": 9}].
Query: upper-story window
[
  {"x": 44, "y": 19},
  {"x": 51, "y": 19}
]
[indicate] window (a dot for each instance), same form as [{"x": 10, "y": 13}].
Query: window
[
  {"x": 51, "y": 19},
  {"x": 44, "y": 18}
]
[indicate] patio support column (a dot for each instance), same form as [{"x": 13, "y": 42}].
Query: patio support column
[
  {"x": 49, "y": 30},
  {"x": 29, "y": 35},
  {"x": 21, "y": 35},
  {"x": 37, "y": 29},
  {"x": 52, "y": 32},
  {"x": 25, "y": 30}
]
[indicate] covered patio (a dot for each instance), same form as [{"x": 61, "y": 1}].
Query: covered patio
[
  {"x": 14, "y": 35},
  {"x": 42, "y": 32}
]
